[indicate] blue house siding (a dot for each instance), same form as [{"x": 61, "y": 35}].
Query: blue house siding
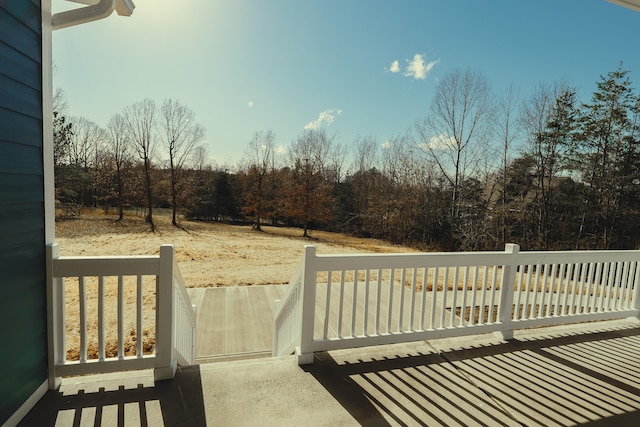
[{"x": 23, "y": 367}]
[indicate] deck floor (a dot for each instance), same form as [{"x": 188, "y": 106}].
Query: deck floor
[{"x": 585, "y": 374}]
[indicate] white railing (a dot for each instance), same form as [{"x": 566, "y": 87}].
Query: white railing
[
  {"x": 109, "y": 314},
  {"x": 362, "y": 300},
  {"x": 288, "y": 320}
]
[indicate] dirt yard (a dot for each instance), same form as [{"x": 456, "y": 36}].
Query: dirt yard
[{"x": 208, "y": 254}]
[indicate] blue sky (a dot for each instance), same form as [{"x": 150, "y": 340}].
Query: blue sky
[{"x": 354, "y": 67}]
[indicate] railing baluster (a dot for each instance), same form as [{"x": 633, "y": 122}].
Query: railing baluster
[
  {"x": 327, "y": 308},
  {"x": 551, "y": 290},
  {"x": 628, "y": 286},
  {"x": 598, "y": 287},
  {"x": 101, "y": 343},
  {"x": 620, "y": 286},
  {"x": 494, "y": 290},
  {"x": 455, "y": 296},
  {"x": 354, "y": 304},
  {"x": 445, "y": 288},
  {"x": 390, "y": 302},
  {"x": 518, "y": 310},
  {"x": 525, "y": 309},
  {"x": 534, "y": 298},
  {"x": 465, "y": 291},
  {"x": 414, "y": 279},
  {"x": 613, "y": 278},
  {"x": 483, "y": 301},
  {"x": 567, "y": 288},
  {"x": 434, "y": 286},
  {"x": 378, "y": 294},
  {"x": 120, "y": 317},
  {"x": 602, "y": 303},
  {"x": 579, "y": 309},
  {"x": 341, "y": 305},
  {"x": 402, "y": 286},
  {"x": 82, "y": 298},
  {"x": 365, "y": 316},
  {"x": 474, "y": 284},
  {"x": 139, "y": 317},
  {"x": 543, "y": 291},
  {"x": 590, "y": 287},
  {"x": 558, "y": 306}
]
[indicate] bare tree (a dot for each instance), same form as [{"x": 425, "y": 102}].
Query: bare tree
[
  {"x": 140, "y": 120},
  {"x": 120, "y": 151},
  {"x": 506, "y": 131},
  {"x": 259, "y": 157},
  {"x": 182, "y": 134},
  {"x": 86, "y": 142},
  {"x": 199, "y": 158},
  {"x": 310, "y": 191},
  {"x": 366, "y": 154},
  {"x": 457, "y": 126},
  {"x": 62, "y": 127}
]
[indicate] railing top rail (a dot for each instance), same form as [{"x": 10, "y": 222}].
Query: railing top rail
[
  {"x": 407, "y": 260},
  {"x": 107, "y": 257},
  {"x": 560, "y": 257},
  {"x": 105, "y": 266},
  {"x": 334, "y": 262}
]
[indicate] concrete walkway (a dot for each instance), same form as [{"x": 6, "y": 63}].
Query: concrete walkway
[{"x": 586, "y": 374}]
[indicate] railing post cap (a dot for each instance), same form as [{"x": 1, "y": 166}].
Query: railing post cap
[{"x": 512, "y": 248}]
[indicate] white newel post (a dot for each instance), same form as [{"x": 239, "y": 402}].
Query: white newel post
[
  {"x": 55, "y": 317},
  {"x": 509, "y": 270},
  {"x": 305, "y": 350},
  {"x": 165, "y": 361}
]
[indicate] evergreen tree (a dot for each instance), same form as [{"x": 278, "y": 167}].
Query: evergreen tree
[{"x": 608, "y": 154}]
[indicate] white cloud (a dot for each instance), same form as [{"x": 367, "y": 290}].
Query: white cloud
[
  {"x": 250, "y": 104},
  {"x": 327, "y": 116},
  {"x": 440, "y": 143},
  {"x": 417, "y": 67},
  {"x": 395, "y": 67}
]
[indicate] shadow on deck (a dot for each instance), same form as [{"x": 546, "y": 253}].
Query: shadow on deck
[
  {"x": 585, "y": 374},
  {"x": 123, "y": 399}
]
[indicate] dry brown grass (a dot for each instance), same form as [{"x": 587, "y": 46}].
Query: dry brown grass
[{"x": 209, "y": 254}]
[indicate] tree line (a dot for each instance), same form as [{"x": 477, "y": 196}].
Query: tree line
[{"x": 478, "y": 170}]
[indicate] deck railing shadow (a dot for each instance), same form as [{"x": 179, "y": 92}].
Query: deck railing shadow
[
  {"x": 515, "y": 382},
  {"x": 177, "y": 402}
]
